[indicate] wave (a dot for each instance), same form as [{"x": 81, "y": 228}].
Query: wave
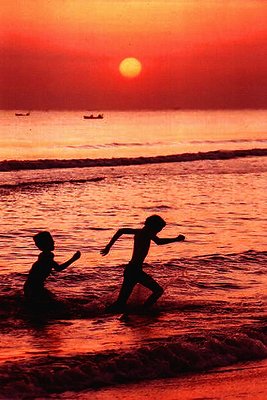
[
  {"x": 115, "y": 144},
  {"x": 227, "y": 141},
  {"x": 151, "y": 144},
  {"x": 51, "y": 182},
  {"x": 164, "y": 358},
  {"x": 16, "y": 165}
]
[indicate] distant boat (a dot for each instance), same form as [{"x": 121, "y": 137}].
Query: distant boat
[
  {"x": 22, "y": 114},
  {"x": 99, "y": 116}
]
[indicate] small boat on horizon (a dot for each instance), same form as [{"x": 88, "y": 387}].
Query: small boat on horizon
[
  {"x": 22, "y": 114},
  {"x": 91, "y": 116}
]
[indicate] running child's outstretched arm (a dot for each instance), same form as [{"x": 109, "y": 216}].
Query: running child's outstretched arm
[
  {"x": 118, "y": 234},
  {"x": 61, "y": 267},
  {"x": 160, "y": 241}
]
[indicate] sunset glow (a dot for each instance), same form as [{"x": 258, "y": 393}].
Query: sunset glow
[{"x": 198, "y": 55}]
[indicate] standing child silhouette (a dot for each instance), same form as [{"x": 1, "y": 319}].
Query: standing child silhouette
[
  {"x": 34, "y": 289},
  {"x": 133, "y": 272}
]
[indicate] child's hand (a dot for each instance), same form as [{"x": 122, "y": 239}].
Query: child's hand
[
  {"x": 105, "y": 251},
  {"x": 76, "y": 256},
  {"x": 180, "y": 238}
]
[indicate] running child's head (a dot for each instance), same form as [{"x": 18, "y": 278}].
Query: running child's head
[
  {"x": 44, "y": 241},
  {"x": 155, "y": 223}
]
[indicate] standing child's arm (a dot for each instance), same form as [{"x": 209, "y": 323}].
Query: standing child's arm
[
  {"x": 117, "y": 235},
  {"x": 160, "y": 241},
  {"x": 60, "y": 267}
]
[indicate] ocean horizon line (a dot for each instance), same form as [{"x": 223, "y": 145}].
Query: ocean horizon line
[
  {"x": 17, "y": 165},
  {"x": 98, "y": 109}
]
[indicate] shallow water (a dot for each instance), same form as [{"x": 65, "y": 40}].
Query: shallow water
[
  {"x": 220, "y": 206},
  {"x": 212, "y": 313}
]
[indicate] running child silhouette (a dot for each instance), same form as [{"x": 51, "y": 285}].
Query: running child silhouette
[
  {"x": 133, "y": 272},
  {"x": 34, "y": 289}
]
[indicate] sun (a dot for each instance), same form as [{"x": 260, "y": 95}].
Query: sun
[{"x": 130, "y": 67}]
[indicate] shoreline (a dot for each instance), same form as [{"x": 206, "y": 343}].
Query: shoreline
[
  {"x": 188, "y": 357},
  {"x": 18, "y": 165},
  {"x": 247, "y": 381}
]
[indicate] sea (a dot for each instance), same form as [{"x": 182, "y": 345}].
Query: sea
[{"x": 205, "y": 173}]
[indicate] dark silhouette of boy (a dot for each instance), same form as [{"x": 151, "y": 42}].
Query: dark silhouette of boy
[
  {"x": 133, "y": 272},
  {"x": 34, "y": 289}
]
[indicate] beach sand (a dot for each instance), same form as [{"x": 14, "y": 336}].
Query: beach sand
[{"x": 246, "y": 381}]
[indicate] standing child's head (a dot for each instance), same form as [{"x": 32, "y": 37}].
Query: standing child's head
[
  {"x": 155, "y": 223},
  {"x": 44, "y": 241}
]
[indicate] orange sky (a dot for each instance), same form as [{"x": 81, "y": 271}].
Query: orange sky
[{"x": 64, "y": 54}]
